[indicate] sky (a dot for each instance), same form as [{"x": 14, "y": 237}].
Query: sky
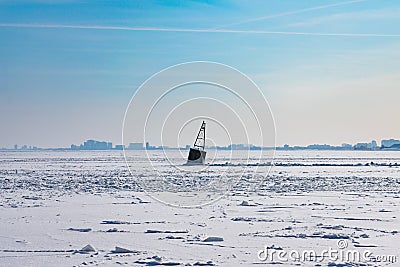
[{"x": 329, "y": 69}]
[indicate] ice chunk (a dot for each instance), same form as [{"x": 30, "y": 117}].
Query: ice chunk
[
  {"x": 88, "y": 248},
  {"x": 213, "y": 239},
  {"x": 122, "y": 250}
]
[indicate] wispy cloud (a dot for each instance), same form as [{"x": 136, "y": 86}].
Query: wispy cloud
[
  {"x": 294, "y": 12},
  {"x": 183, "y": 30},
  {"x": 367, "y": 15}
]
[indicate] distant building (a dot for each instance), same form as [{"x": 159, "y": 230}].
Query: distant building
[
  {"x": 119, "y": 147},
  {"x": 395, "y": 147},
  {"x": 75, "y": 147},
  {"x": 389, "y": 143},
  {"x": 253, "y": 147},
  {"x": 15, "y": 147},
  {"x": 238, "y": 147},
  {"x": 135, "y": 146},
  {"x": 366, "y": 146},
  {"x": 374, "y": 145},
  {"x": 319, "y": 147},
  {"x": 89, "y": 144},
  {"x": 347, "y": 146},
  {"x": 93, "y": 145}
]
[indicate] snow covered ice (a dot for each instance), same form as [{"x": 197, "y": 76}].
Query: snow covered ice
[{"x": 83, "y": 208}]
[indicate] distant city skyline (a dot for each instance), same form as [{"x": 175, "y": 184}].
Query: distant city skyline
[
  {"x": 92, "y": 144},
  {"x": 329, "y": 69}
]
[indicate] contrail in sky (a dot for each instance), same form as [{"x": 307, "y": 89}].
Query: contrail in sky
[
  {"x": 291, "y": 13},
  {"x": 188, "y": 30}
]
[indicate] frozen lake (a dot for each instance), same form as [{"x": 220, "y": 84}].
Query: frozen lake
[
  {"x": 106, "y": 171},
  {"x": 53, "y": 203}
]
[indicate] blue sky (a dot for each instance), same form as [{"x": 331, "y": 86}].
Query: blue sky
[{"x": 329, "y": 69}]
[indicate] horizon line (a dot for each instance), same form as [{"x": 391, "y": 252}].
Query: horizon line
[{"x": 30, "y": 147}]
